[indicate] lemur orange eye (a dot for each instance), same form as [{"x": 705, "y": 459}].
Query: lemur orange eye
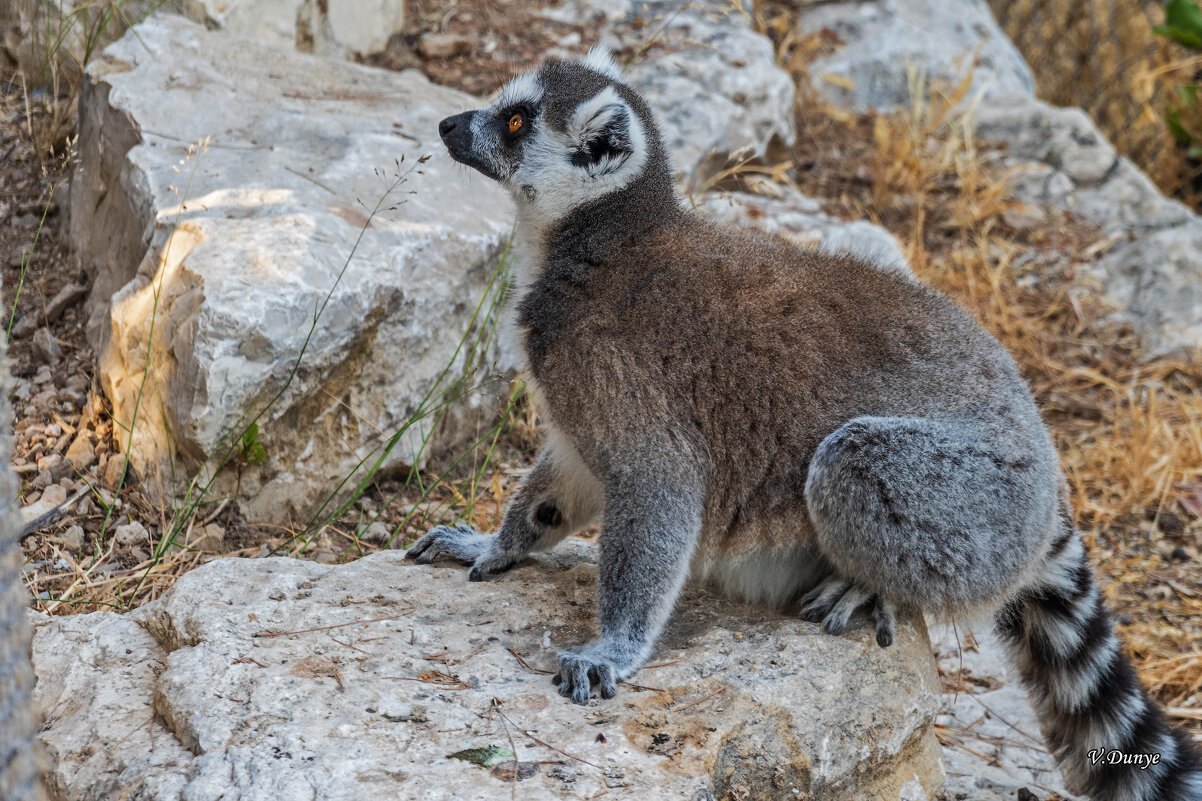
[{"x": 515, "y": 122}]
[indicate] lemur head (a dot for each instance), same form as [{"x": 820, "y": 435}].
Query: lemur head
[{"x": 561, "y": 136}]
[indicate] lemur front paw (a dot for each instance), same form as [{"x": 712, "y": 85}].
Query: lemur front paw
[
  {"x": 833, "y": 602},
  {"x": 581, "y": 668},
  {"x": 463, "y": 543}
]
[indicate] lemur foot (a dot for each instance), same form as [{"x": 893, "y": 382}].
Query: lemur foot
[
  {"x": 581, "y": 668},
  {"x": 464, "y": 543},
  {"x": 833, "y": 602}
]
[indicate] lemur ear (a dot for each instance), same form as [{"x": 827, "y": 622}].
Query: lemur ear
[
  {"x": 604, "y": 132},
  {"x": 599, "y": 59}
]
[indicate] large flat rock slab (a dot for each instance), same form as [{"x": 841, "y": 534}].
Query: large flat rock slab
[
  {"x": 280, "y": 679},
  {"x": 215, "y": 258}
]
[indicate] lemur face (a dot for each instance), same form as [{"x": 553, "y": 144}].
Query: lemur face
[{"x": 556, "y": 137}]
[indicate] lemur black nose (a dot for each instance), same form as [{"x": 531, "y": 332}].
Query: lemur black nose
[{"x": 447, "y": 125}]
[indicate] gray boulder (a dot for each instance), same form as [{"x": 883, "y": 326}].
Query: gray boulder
[
  {"x": 801, "y": 220},
  {"x": 340, "y": 28},
  {"x": 1152, "y": 273},
  {"x": 227, "y": 250},
  {"x": 281, "y": 679},
  {"x": 1086, "y": 176},
  {"x": 1057, "y": 158},
  {"x": 883, "y": 41}
]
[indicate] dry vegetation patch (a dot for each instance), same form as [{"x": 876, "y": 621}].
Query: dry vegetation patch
[{"x": 1101, "y": 55}]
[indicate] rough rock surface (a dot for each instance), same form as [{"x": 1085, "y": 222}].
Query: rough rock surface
[
  {"x": 243, "y": 240},
  {"x": 881, "y": 41},
  {"x": 801, "y": 220},
  {"x": 333, "y": 28},
  {"x": 336, "y": 28},
  {"x": 992, "y": 717},
  {"x": 1152, "y": 273},
  {"x": 712, "y": 80},
  {"x": 1058, "y": 158},
  {"x": 281, "y": 679}
]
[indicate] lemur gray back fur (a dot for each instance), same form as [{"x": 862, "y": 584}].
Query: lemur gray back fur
[{"x": 795, "y": 427}]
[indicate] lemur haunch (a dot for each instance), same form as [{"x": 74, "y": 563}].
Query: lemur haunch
[{"x": 755, "y": 415}]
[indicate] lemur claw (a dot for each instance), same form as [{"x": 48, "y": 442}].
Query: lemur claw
[{"x": 834, "y": 601}]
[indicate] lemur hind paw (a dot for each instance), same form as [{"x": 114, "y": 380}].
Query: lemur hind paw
[{"x": 833, "y": 602}]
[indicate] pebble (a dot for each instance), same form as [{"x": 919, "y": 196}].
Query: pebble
[
  {"x": 72, "y": 538},
  {"x": 67, "y": 297},
  {"x": 209, "y": 538},
  {"x": 43, "y": 376},
  {"x": 54, "y": 494},
  {"x": 81, "y": 454},
  {"x": 112, "y": 470},
  {"x": 1023, "y": 216},
  {"x": 58, "y": 467},
  {"x": 46, "y": 347},
  {"x": 131, "y": 534},
  {"x": 377, "y": 533},
  {"x": 26, "y": 326},
  {"x": 324, "y": 557}
]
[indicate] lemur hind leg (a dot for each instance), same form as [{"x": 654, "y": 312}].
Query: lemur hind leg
[
  {"x": 558, "y": 496},
  {"x": 929, "y": 514}
]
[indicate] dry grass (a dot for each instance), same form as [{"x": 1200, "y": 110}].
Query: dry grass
[
  {"x": 1101, "y": 55},
  {"x": 1129, "y": 430}
]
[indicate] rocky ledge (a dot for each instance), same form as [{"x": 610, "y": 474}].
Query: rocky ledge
[{"x": 281, "y": 679}]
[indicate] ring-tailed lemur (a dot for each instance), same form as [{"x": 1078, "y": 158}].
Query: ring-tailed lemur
[{"x": 732, "y": 407}]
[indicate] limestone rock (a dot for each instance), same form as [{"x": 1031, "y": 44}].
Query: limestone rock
[
  {"x": 32, "y": 29},
  {"x": 246, "y": 239},
  {"x": 1058, "y": 157},
  {"x": 326, "y": 27},
  {"x": 991, "y": 716},
  {"x": 1089, "y": 178},
  {"x": 78, "y": 650},
  {"x": 710, "y": 77},
  {"x": 882, "y": 40},
  {"x": 72, "y": 538},
  {"x": 282, "y": 679},
  {"x": 1155, "y": 282},
  {"x": 801, "y": 220},
  {"x": 81, "y": 454}
]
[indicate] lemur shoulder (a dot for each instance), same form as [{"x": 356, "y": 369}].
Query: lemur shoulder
[{"x": 798, "y": 428}]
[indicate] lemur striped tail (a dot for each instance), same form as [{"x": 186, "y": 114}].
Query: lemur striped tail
[{"x": 1111, "y": 741}]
